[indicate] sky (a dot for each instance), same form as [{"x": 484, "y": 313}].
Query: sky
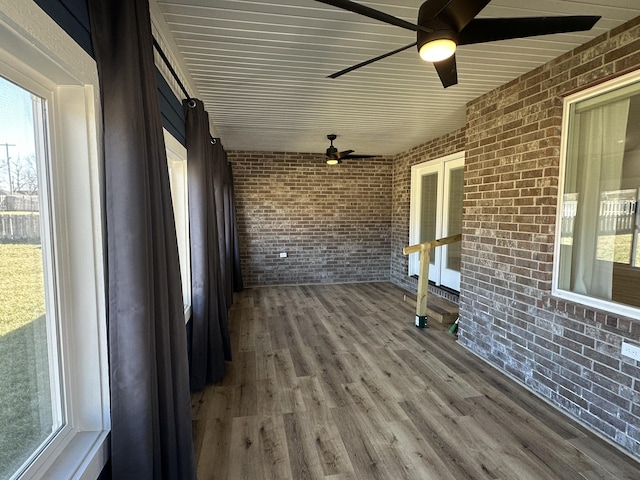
[{"x": 16, "y": 126}]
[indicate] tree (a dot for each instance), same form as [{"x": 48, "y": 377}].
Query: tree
[
  {"x": 25, "y": 175},
  {"x": 19, "y": 175}
]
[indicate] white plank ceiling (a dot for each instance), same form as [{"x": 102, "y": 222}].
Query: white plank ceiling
[{"x": 261, "y": 66}]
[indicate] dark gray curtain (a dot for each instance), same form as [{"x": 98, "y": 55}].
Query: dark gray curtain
[
  {"x": 235, "y": 243},
  {"x": 225, "y": 293},
  {"x": 150, "y": 399},
  {"x": 210, "y": 343},
  {"x": 223, "y": 217}
]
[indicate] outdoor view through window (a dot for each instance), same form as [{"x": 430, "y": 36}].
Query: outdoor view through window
[{"x": 30, "y": 400}]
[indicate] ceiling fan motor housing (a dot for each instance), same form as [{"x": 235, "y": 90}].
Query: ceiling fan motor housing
[
  {"x": 331, "y": 151},
  {"x": 441, "y": 30}
]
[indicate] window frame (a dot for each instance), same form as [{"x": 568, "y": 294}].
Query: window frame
[
  {"x": 80, "y": 448},
  {"x": 177, "y": 163},
  {"x": 597, "y": 303}
]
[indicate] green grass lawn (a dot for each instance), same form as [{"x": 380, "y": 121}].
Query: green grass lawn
[
  {"x": 21, "y": 286},
  {"x": 25, "y": 394},
  {"x": 617, "y": 248}
]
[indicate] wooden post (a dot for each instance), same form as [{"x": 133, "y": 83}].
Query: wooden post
[
  {"x": 423, "y": 274},
  {"x": 423, "y": 285}
]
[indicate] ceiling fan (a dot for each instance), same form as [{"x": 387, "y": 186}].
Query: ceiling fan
[
  {"x": 444, "y": 24},
  {"x": 334, "y": 156}
]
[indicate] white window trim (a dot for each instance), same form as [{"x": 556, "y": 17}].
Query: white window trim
[
  {"x": 605, "y": 305},
  {"x": 437, "y": 165},
  {"x": 177, "y": 159},
  {"x": 33, "y": 50}
]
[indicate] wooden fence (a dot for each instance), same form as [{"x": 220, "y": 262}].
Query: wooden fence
[
  {"x": 616, "y": 217},
  {"x": 19, "y": 227},
  {"x": 19, "y": 203}
]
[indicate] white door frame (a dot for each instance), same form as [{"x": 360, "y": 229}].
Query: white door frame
[{"x": 442, "y": 167}]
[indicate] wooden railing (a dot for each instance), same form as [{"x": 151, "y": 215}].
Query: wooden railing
[{"x": 423, "y": 274}]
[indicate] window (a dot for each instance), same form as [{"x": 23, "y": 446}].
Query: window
[
  {"x": 30, "y": 392},
  {"x": 54, "y": 415},
  {"x": 436, "y": 212},
  {"x": 597, "y": 252},
  {"x": 177, "y": 161}
]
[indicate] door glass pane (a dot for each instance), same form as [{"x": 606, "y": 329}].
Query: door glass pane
[
  {"x": 30, "y": 409},
  {"x": 428, "y": 209},
  {"x": 454, "y": 221}
]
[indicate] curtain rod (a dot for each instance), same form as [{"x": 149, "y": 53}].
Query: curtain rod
[
  {"x": 170, "y": 67},
  {"x": 158, "y": 48}
]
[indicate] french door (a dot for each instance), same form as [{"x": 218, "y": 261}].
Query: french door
[{"x": 436, "y": 212}]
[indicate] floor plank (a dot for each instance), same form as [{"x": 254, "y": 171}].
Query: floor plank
[
  {"x": 245, "y": 448},
  {"x": 274, "y": 452},
  {"x": 333, "y": 382},
  {"x": 305, "y": 462}
]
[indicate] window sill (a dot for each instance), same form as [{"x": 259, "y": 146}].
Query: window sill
[{"x": 83, "y": 458}]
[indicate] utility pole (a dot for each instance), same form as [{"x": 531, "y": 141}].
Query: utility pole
[{"x": 6, "y": 147}]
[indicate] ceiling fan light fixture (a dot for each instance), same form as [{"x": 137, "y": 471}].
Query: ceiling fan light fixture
[
  {"x": 333, "y": 161},
  {"x": 437, "y": 50}
]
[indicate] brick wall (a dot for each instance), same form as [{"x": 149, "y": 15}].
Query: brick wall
[
  {"x": 566, "y": 352},
  {"x": 333, "y": 221},
  {"x": 402, "y": 163}
]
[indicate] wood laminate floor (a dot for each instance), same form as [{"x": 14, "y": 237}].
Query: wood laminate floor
[{"x": 335, "y": 382}]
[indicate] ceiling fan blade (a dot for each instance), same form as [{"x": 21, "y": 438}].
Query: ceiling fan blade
[
  {"x": 350, "y": 69},
  {"x": 341, "y": 155},
  {"x": 373, "y": 13},
  {"x": 447, "y": 71},
  {"x": 358, "y": 156},
  {"x": 458, "y": 13},
  {"x": 483, "y": 30}
]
